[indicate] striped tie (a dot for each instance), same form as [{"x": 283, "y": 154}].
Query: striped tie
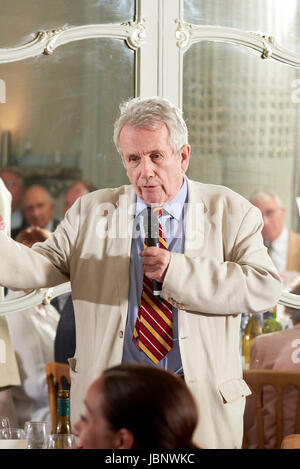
[{"x": 153, "y": 332}]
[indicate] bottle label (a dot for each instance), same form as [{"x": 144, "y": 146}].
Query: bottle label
[{"x": 63, "y": 407}]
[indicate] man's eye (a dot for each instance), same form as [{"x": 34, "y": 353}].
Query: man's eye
[
  {"x": 133, "y": 159},
  {"x": 155, "y": 156},
  {"x": 83, "y": 418}
]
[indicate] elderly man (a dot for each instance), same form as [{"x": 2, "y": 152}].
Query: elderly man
[
  {"x": 211, "y": 264},
  {"x": 38, "y": 208},
  {"x": 283, "y": 245}
]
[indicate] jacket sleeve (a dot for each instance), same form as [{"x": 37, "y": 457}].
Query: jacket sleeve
[
  {"x": 43, "y": 266},
  {"x": 246, "y": 283}
]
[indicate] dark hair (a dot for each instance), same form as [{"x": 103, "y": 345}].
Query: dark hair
[{"x": 154, "y": 404}]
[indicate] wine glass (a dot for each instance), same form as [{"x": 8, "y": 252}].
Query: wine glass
[
  {"x": 14, "y": 439},
  {"x": 36, "y": 434},
  {"x": 61, "y": 441},
  {"x": 4, "y": 427}
]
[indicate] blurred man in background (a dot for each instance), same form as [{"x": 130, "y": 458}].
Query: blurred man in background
[
  {"x": 38, "y": 208},
  {"x": 283, "y": 245}
]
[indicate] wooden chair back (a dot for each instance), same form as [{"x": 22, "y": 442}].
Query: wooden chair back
[
  {"x": 279, "y": 379},
  {"x": 56, "y": 374}
]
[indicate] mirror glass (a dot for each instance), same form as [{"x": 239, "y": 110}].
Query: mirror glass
[
  {"x": 242, "y": 111},
  {"x": 60, "y": 109},
  {"x": 20, "y": 20},
  {"x": 279, "y": 19}
]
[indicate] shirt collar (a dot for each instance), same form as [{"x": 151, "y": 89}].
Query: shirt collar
[
  {"x": 281, "y": 240},
  {"x": 173, "y": 208},
  {"x": 50, "y": 226}
]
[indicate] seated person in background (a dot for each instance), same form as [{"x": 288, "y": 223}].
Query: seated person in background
[
  {"x": 65, "y": 340},
  {"x": 135, "y": 406},
  {"x": 14, "y": 183},
  {"x": 77, "y": 189},
  {"x": 275, "y": 351},
  {"x": 38, "y": 208},
  {"x": 283, "y": 245},
  {"x": 32, "y": 332}
]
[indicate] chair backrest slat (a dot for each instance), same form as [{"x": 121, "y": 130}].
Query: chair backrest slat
[{"x": 279, "y": 380}]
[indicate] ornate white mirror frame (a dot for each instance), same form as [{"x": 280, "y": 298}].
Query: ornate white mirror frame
[{"x": 160, "y": 37}]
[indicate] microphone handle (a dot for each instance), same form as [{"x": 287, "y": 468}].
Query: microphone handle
[
  {"x": 153, "y": 240},
  {"x": 157, "y": 286}
]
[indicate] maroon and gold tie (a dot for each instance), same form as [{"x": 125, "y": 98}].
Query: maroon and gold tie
[{"x": 153, "y": 332}]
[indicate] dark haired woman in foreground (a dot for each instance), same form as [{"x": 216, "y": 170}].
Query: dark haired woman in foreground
[{"x": 135, "y": 406}]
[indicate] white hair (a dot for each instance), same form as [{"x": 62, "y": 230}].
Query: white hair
[{"x": 148, "y": 112}]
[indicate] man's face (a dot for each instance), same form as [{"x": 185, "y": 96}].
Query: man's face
[
  {"x": 77, "y": 190},
  {"x": 37, "y": 207},
  {"x": 273, "y": 217},
  {"x": 152, "y": 168},
  {"x": 15, "y": 187}
]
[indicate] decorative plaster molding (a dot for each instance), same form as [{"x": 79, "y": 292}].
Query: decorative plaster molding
[
  {"x": 35, "y": 298},
  {"x": 188, "y": 34},
  {"x": 290, "y": 300},
  {"x": 45, "y": 295},
  {"x": 45, "y": 42}
]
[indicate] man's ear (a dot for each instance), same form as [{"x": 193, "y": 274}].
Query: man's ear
[
  {"x": 124, "y": 439},
  {"x": 185, "y": 153}
]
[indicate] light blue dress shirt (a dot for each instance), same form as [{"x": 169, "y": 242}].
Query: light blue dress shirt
[{"x": 173, "y": 224}]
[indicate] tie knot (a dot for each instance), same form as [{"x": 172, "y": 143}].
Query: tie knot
[{"x": 158, "y": 211}]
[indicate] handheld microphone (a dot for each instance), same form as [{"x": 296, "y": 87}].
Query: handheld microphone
[{"x": 151, "y": 225}]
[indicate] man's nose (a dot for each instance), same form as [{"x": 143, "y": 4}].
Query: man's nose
[
  {"x": 147, "y": 169},
  {"x": 35, "y": 211}
]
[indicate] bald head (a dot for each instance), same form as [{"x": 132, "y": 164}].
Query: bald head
[{"x": 38, "y": 206}]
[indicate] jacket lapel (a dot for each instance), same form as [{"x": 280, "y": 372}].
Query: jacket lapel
[
  {"x": 197, "y": 224},
  {"x": 119, "y": 244}
]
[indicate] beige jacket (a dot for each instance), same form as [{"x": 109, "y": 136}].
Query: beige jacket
[
  {"x": 224, "y": 271},
  {"x": 293, "y": 260},
  {"x": 9, "y": 371}
]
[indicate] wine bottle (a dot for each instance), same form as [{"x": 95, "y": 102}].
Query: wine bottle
[
  {"x": 63, "y": 425},
  {"x": 271, "y": 324},
  {"x": 252, "y": 330}
]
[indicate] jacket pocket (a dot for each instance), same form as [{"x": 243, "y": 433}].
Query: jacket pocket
[
  {"x": 73, "y": 366},
  {"x": 234, "y": 389}
]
